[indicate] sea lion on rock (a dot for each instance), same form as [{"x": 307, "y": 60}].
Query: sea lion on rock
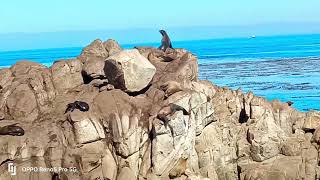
[
  {"x": 165, "y": 42},
  {"x": 12, "y": 130},
  {"x": 170, "y": 87},
  {"x": 290, "y": 103},
  {"x": 55, "y": 176},
  {"x": 82, "y": 106},
  {"x": 169, "y": 110},
  {"x": 250, "y": 136}
]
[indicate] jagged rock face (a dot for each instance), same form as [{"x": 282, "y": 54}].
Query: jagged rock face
[
  {"x": 224, "y": 135},
  {"x": 27, "y": 90}
]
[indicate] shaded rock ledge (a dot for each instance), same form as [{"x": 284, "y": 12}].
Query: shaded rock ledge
[{"x": 225, "y": 135}]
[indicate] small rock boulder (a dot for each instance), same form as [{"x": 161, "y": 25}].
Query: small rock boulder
[{"x": 128, "y": 70}]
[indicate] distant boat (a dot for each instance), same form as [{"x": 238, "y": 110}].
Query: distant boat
[{"x": 253, "y": 36}]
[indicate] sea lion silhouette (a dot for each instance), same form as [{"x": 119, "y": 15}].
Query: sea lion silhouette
[
  {"x": 165, "y": 42},
  {"x": 12, "y": 130},
  {"x": 290, "y": 103},
  {"x": 82, "y": 106}
]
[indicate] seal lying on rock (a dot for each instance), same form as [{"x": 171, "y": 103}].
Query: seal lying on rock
[
  {"x": 169, "y": 110},
  {"x": 82, "y": 106},
  {"x": 165, "y": 42},
  {"x": 170, "y": 87},
  {"x": 12, "y": 130}
]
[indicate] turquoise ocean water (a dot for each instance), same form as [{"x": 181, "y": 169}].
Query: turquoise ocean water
[{"x": 275, "y": 67}]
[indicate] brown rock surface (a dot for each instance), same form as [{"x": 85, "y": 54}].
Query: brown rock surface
[{"x": 225, "y": 135}]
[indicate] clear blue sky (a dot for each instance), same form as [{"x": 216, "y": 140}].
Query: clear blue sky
[{"x": 106, "y": 17}]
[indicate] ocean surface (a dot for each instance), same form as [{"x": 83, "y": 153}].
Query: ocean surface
[{"x": 276, "y": 67}]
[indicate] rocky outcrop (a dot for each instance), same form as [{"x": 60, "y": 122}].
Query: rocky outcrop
[{"x": 216, "y": 133}]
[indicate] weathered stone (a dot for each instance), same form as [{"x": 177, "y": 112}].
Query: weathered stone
[
  {"x": 5, "y": 78},
  {"x": 94, "y": 69},
  {"x": 129, "y": 70},
  {"x": 94, "y": 50},
  {"x": 66, "y": 74},
  {"x": 86, "y": 126},
  {"x": 291, "y": 147},
  {"x": 22, "y": 103},
  {"x": 311, "y": 121},
  {"x": 125, "y": 174},
  {"x": 109, "y": 166},
  {"x": 112, "y": 47}
]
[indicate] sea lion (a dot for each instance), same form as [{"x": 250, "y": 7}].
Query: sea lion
[
  {"x": 165, "y": 42},
  {"x": 290, "y": 103},
  {"x": 12, "y": 130},
  {"x": 250, "y": 136},
  {"x": 170, "y": 87},
  {"x": 169, "y": 110},
  {"x": 82, "y": 106},
  {"x": 55, "y": 176}
]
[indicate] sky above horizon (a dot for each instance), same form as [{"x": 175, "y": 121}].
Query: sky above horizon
[
  {"x": 37, "y": 16},
  {"x": 62, "y": 15}
]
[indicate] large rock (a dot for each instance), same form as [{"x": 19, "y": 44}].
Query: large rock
[
  {"x": 129, "y": 70},
  {"x": 67, "y": 74},
  {"x": 22, "y": 103},
  {"x": 94, "y": 65},
  {"x": 94, "y": 50},
  {"x": 26, "y": 90},
  {"x": 94, "y": 69}
]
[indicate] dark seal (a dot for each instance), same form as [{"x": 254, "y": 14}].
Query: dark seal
[
  {"x": 12, "y": 130},
  {"x": 82, "y": 106},
  {"x": 165, "y": 42},
  {"x": 290, "y": 103},
  {"x": 55, "y": 176}
]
